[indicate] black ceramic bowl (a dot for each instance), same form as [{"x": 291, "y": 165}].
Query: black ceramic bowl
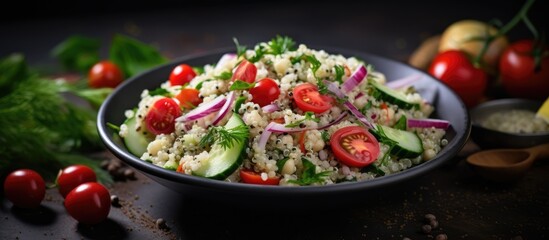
[
  {"x": 448, "y": 107},
  {"x": 488, "y": 138}
]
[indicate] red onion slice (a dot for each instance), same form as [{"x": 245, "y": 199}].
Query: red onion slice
[
  {"x": 270, "y": 108},
  {"x": 358, "y": 114},
  {"x": 428, "y": 123},
  {"x": 404, "y": 82},
  {"x": 355, "y": 79},
  {"x": 224, "y": 109},
  {"x": 337, "y": 120},
  {"x": 203, "y": 110},
  {"x": 265, "y": 136}
]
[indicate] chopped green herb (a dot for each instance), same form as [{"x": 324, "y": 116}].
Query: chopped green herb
[
  {"x": 240, "y": 49},
  {"x": 225, "y": 76},
  {"x": 241, "y": 85},
  {"x": 199, "y": 85},
  {"x": 325, "y": 136},
  {"x": 239, "y": 102},
  {"x": 401, "y": 123},
  {"x": 366, "y": 107},
  {"x": 113, "y": 126},
  {"x": 297, "y": 59},
  {"x": 198, "y": 70},
  {"x": 225, "y": 137},
  {"x": 309, "y": 175},
  {"x": 308, "y": 116},
  {"x": 160, "y": 92},
  {"x": 382, "y": 138},
  {"x": 315, "y": 65},
  {"x": 259, "y": 52},
  {"x": 280, "y": 163},
  {"x": 340, "y": 71},
  {"x": 280, "y": 45},
  {"x": 372, "y": 168}
]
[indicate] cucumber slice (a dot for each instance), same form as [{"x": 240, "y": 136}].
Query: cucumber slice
[
  {"x": 390, "y": 95},
  {"x": 136, "y": 141},
  {"x": 223, "y": 162},
  {"x": 408, "y": 144}
]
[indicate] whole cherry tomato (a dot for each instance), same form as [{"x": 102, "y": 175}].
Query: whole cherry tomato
[
  {"x": 518, "y": 72},
  {"x": 181, "y": 75},
  {"x": 265, "y": 92},
  {"x": 161, "y": 116},
  {"x": 72, "y": 176},
  {"x": 89, "y": 203},
  {"x": 454, "y": 68},
  {"x": 105, "y": 74},
  {"x": 25, "y": 188}
]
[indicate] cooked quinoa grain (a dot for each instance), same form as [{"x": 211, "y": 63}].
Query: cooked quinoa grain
[{"x": 299, "y": 150}]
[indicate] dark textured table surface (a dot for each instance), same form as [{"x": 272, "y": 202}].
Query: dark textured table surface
[{"x": 466, "y": 206}]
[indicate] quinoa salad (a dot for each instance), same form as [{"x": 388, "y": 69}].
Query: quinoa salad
[{"x": 280, "y": 113}]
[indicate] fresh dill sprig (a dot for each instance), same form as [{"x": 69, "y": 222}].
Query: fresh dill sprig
[{"x": 226, "y": 138}]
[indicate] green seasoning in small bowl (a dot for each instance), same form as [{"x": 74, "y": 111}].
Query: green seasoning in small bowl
[{"x": 515, "y": 121}]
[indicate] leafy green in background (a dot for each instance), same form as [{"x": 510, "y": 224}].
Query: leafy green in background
[
  {"x": 133, "y": 56},
  {"x": 41, "y": 129},
  {"x": 77, "y": 53}
]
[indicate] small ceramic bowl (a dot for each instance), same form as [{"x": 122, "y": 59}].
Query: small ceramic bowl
[{"x": 488, "y": 138}]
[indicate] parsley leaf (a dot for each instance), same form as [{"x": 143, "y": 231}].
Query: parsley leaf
[
  {"x": 225, "y": 137},
  {"x": 241, "y": 85},
  {"x": 239, "y": 102},
  {"x": 309, "y": 175},
  {"x": 308, "y": 116},
  {"x": 315, "y": 65},
  {"x": 240, "y": 49},
  {"x": 159, "y": 92},
  {"x": 325, "y": 136},
  {"x": 259, "y": 52},
  {"x": 225, "y": 76},
  {"x": 280, "y": 45},
  {"x": 198, "y": 70},
  {"x": 340, "y": 71},
  {"x": 133, "y": 56},
  {"x": 280, "y": 163},
  {"x": 401, "y": 123},
  {"x": 77, "y": 53}
]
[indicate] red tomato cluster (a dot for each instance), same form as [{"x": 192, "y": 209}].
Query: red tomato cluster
[
  {"x": 85, "y": 200},
  {"x": 517, "y": 72}
]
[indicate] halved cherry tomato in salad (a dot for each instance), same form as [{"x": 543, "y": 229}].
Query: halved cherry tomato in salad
[
  {"x": 249, "y": 176},
  {"x": 105, "y": 74},
  {"x": 189, "y": 98},
  {"x": 308, "y": 99},
  {"x": 354, "y": 146},
  {"x": 245, "y": 71},
  {"x": 181, "y": 75},
  {"x": 161, "y": 117},
  {"x": 265, "y": 92}
]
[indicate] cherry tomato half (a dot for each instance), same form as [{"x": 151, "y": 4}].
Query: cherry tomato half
[
  {"x": 265, "y": 92},
  {"x": 89, "y": 203},
  {"x": 249, "y": 176},
  {"x": 25, "y": 188},
  {"x": 161, "y": 116},
  {"x": 72, "y": 176},
  {"x": 354, "y": 146},
  {"x": 454, "y": 68},
  {"x": 189, "y": 98},
  {"x": 308, "y": 98},
  {"x": 181, "y": 75},
  {"x": 245, "y": 71},
  {"x": 518, "y": 74},
  {"x": 105, "y": 74}
]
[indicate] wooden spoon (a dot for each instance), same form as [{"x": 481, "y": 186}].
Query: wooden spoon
[{"x": 506, "y": 165}]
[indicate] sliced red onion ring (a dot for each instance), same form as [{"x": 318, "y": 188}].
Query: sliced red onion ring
[
  {"x": 358, "y": 114},
  {"x": 224, "y": 59},
  {"x": 337, "y": 120},
  {"x": 224, "y": 109},
  {"x": 270, "y": 108},
  {"x": 332, "y": 87},
  {"x": 428, "y": 123},
  {"x": 360, "y": 94},
  {"x": 404, "y": 82},
  {"x": 203, "y": 110},
  {"x": 265, "y": 136},
  {"x": 355, "y": 79}
]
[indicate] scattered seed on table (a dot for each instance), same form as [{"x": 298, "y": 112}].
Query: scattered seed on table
[
  {"x": 115, "y": 201},
  {"x": 434, "y": 224},
  {"x": 406, "y": 238},
  {"x": 129, "y": 173},
  {"x": 441, "y": 236},
  {"x": 161, "y": 223},
  {"x": 426, "y": 228},
  {"x": 104, "y": 164},
  {"x": 429, "y": 217}
]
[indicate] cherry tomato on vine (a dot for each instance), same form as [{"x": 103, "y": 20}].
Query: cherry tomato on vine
[
  {"x": 89, "y": 203},
  {"x": 105, "y": 74},
  {"x": 354, "y": 146},
  {"x": 308, "y": 99},
  {"x": 161, "y": 116},
  {"x": 518, "y": 74},
  {"x": 72, "y": 176},
  {"x": 25, "y": 188},
  {"x": 249, "y": 176},
  {"x": 182, "y": 75},
  {"x": 265, "y": 92},
  {"x": 245, "y": 71},
  {"x": 454, "y": 68},
  {"x": 189, "y": 98}
]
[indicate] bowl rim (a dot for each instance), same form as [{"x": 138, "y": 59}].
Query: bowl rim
[
  {"x": 491, "y": 104},
  {"x": 152, "y": 170}
]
